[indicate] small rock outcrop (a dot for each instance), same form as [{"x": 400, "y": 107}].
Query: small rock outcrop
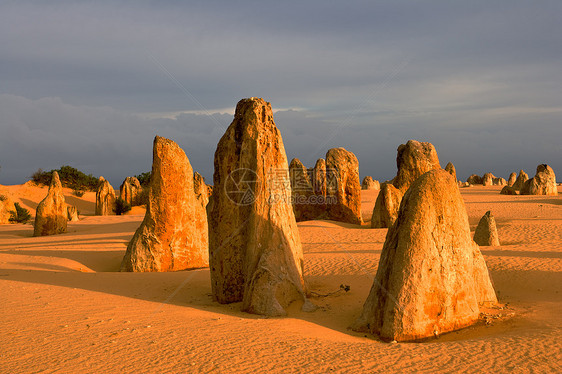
[
  {"x": 131, "y": 191},
  {"x": 254, "y": 244},
  {"x": 386, "y": 207},
  {"x": 6, "y": 207},
  {"x": 346, "y": 189},
  {"x": 512, "y": 179},
  {"x": 498, "y": 181},
  {"x": 431, "y": 277},
  {"x": 72, "y": 213},
  {"x": 413, "y": 160},
  {"x": 486, "y": 233},
  {"x": 173, "y": 235},
  {"x": 520, "y": 181},
  {"x": 507, "y": 190},
  {"x": 370, "y": 184},
  {"x": 543, "y": 183},
  {"x": 301, "y": 190},
  {"x": 200, "y": 189},
  {"x": 488, "y": 179},
  {"x": 105, "y": 198},
  {"x": 450, "y": 168},
  {"x": 474, "y": 179},
  {"x": 51, "y": 214}
]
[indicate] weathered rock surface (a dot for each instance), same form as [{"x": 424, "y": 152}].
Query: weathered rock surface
[
  {"x": 474, "y": 179},
  {"x": 370, "y": 184},
  {"x": 488, "y": 179},
  {"x": 486, "y": 233},
  {"x": 414, "y": 159},
  {"x": 200, "y": 189},
  {"x": 105, "y": 198},
  {"x": 131, "y": 191},
  {"x": 173, "y": 235},
  {"x": 72, "y": 213},
  {"x": 302, "y": 191},
  {"x": 512, "y": 179},
  {"x": 431, "y": 276},
  {"x": 386, "y": 207},
  {"x": 450, "y": 168},
  {"x": 346, "y": 191},
  {"x": 6, "y": 207},
  {"x": 498, "y": 181},
  {"x": 255, "y": 250},
  {"x": 507, "y": 190},
  {"x": 543, "y": 183},
  {"x": 51, "y": 214},
  {"x": 520, "y": 181}
]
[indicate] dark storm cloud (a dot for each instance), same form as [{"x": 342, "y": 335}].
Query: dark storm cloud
[{"x": 91, "y": 84}]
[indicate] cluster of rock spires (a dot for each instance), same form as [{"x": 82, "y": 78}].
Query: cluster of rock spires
[
  {"x": 543, "y": 183},
  {"x": 431, "y": 277},
  {"x": 330, "y": 190},
  {"x": 370, "y": 184}
]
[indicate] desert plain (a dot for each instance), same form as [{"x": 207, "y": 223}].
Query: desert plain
[{"x": 66, "y": 308}]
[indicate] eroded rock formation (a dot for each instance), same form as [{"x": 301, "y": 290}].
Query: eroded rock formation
[
  {"x": 51, "y": 214},
  {"x": 431, "y": 277},
  {"x": 255, "y": 249},
  {"x": 173, "y": 235}
]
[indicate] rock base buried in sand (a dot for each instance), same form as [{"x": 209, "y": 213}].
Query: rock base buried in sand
[
  {"x": 254, "y": 244},
  {"x": 486, "y": 233},
  {"x": 431, "y": 277},
  {"x": 51, "y": 214},
  {"x": 345, "y": 191},
  {"x": 173, "y": 235},
  {"x": 105, "y": 198}
]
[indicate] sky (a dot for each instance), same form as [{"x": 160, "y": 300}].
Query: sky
[{"x": 89, "y": 84}]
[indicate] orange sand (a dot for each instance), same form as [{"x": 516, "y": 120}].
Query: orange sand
[{"x": 65, "y": 309}]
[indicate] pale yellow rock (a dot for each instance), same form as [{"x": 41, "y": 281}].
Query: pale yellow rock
[
  {"x": 450, "y": 168},
  {"x": 431, "y": 277},
  {"x": 51, "y": 214},
  {"x": 486, "y": 233},
  {"x": 131, "y": 191},
  {"x": 173, "y": 235},
  {"x": 72, "y": 213},
  {"x": 543, "y": 183},
  {"x": 386, "y": 206},
  {"x": 345, "y": 189},
  {"x": 105, "y": 198},
  {"x": 255, "y": 249}
]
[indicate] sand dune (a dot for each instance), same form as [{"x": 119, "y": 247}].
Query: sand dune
[{"x": 65, "y": 308}]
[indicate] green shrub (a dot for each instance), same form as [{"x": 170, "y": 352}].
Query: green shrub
[
  {"x": 79, "y": 192},
  {"x": 144, "y": 178},
  {"x": 3, "y": 198},
  {"x": 20, "y": 215},
  {"x": 69, "y": 177},
  {"x": 121, "y": 206}
]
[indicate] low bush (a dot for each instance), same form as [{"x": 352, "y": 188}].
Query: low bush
[
  {"x": 20, "y": 215},
  {"x": 69, "y": 177},
  {"x": 121, "y": 206}
]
